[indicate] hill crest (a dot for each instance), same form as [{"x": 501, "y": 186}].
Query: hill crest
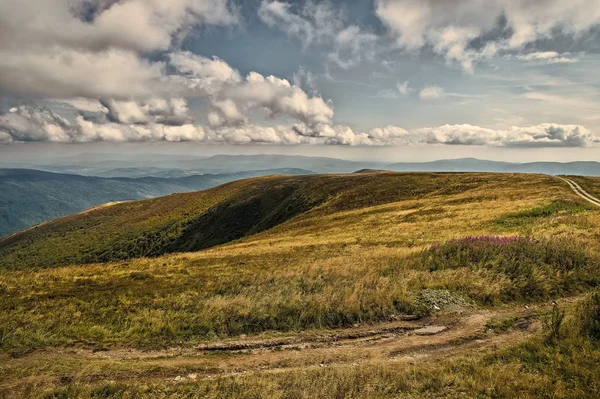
[{"x": 193, "y": 221}]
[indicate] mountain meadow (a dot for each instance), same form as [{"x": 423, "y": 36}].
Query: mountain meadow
[{"x": 372, "y": 284}]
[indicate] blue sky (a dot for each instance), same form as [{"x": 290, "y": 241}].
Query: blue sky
[{"x": 444, "y": 77}]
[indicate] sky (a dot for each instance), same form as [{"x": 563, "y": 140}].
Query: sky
[{"x": 391, "y": 79}]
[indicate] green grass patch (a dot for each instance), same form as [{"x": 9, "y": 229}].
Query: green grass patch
[{"x": 527, "y": 217}]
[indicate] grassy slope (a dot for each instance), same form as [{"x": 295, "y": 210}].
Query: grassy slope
[
  {"x": 349, "y": 259},
  {"x": 529, "y": 368},
  {"x": 353, "y": 258},
  {"x": 29, "y": 197},
  {"x": 177, "y": 222},
  {"x": 187, "y": 222}
]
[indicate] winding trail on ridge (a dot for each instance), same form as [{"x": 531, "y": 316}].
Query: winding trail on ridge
[{"x": 581, "y": 192}]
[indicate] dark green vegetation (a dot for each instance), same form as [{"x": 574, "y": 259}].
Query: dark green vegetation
[
  {"x": 589, "y": 318},
  {"x": 528, "y": 217}
]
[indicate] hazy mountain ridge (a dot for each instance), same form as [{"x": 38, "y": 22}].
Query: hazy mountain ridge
[
  {"x": 169, "y": 166},
  {"x": 29, "y": 197},
  {"x": 583, "y": 168}
]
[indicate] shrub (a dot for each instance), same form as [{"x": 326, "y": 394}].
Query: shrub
[
  {"x": 529, "y": 216},
  {"x": 553, "y": 324},
  {"x": 590, "y": 317},
  {"x": 535, "y": 269}
]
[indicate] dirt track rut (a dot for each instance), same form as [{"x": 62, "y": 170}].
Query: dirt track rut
[{"x": 581, "y": 192}]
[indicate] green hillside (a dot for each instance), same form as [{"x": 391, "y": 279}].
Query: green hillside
[
  {"x": 193, "y": 221},
  {"x": 29, "y": 197}
]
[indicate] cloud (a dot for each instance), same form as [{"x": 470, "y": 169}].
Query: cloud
[
  {"x": 544, "y": 135},
  {"x": 467, "y": 31},
  {"x": 432, "y": 93},
  {"x": 404, "y": 87},
  {"x": 173, "y": 111},
  {"x": 252, "y": 134},
  {"x": 277, "y": 96},
  {"x": 319, "y": 23},
  {"x": 311, "y": 25},
  {"x": 56, "y": 73},
  {"x": 116, "y": 132},
  {"x": 84, "y": 104},
  {"x": 97, "y": 26},
  {"x": 95, "y": 48},
  {"x": 26, "y": 123},
  {"x": 233, "y": 97},
  {"x": 305, "y": 78},
  {"x": 401, "y": 89},
  {"x": 224, "y": 113},
  {"x": 133, "y": 90},
  {"x": 116, "y": 68},
  {"x": 35, "y": 124},
  {"x": 549, "y": 57},
  {"x": 208, "y": 75}
]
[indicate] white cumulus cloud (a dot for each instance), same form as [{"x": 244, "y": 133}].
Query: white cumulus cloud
[
  {"x": 467, "y": 31},
  {"x": 27, "y": 123}
]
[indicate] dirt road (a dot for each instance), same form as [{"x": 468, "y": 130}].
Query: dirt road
[
  {"x": 580, "y": 191},
  {"x": 410, "y": 341}
]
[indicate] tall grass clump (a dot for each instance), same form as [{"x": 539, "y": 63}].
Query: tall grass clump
[
  {"x": 553, "y": 324},
  {"x": 589, "y": 317},
  {"x": 526, "y": 268}
]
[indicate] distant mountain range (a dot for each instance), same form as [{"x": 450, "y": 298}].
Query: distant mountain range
[
  {"x": 169, "y": 166},
  {"x": 583, "y": 168},
  {"x": 29, "y": 197},
  {"x": 172, "y": 166}
]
